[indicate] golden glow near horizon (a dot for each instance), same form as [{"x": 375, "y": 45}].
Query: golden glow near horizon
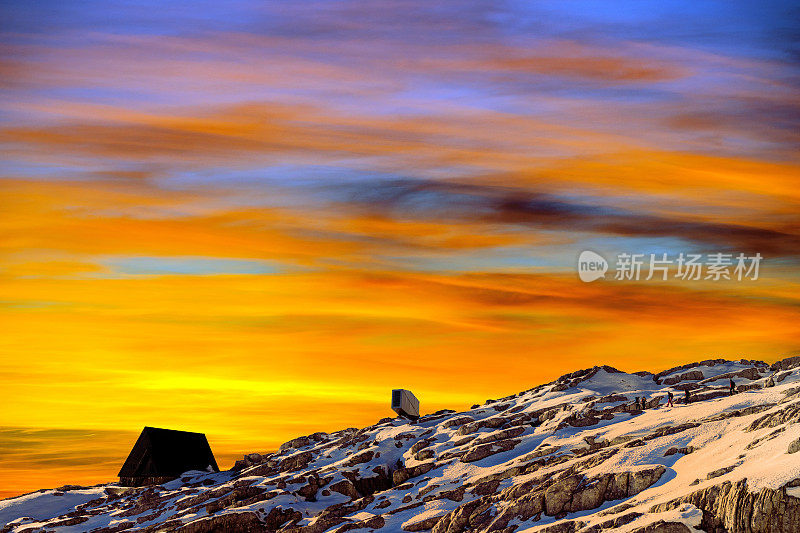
[{"x": 255, "y": 224}]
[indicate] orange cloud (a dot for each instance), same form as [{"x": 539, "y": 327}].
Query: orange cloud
[{"x": 563, "y": 58}]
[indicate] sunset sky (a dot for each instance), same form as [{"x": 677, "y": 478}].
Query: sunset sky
[{"x": 253, "y": 219}]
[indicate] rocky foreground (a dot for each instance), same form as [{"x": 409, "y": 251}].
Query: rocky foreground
[{"x": 573, "y": 455}]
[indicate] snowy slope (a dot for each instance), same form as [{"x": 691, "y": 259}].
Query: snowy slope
[{"x": 572, "y": 455}]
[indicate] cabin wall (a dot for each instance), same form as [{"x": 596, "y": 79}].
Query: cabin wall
[
  {"x": 141, "y": 481},
  {"x": 410, "y": 404}
]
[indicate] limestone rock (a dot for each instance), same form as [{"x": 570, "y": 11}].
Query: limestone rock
[
  {"x": 664, "y": 527},
  {"x": 733, "y": 507},
  {"x": 401, "y": 475},
  {"x": 422, "y": 525},
  {"x": 794, "y": 447},
  {"x": 345, "y": 487},
  {"x": 247, "y": 522},
  {"x": 296, "y": 461}
]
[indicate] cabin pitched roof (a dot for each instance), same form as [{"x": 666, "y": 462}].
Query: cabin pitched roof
[{"x": 167, "y": 452}]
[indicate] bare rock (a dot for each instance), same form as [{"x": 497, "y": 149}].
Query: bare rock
[
  {"x": 559, "y": 494},
  {"x": 247, "y": 522},
  {"x": 643, "y": 479},
  {"x": 296, "y": 462},
  {"x": 504, "y": 434},
  {"x": 345, "y": 487},
  {"x": 794, "y": 447},
  {"x": 376, "y": 522},
  {"x": 720, "y": 472},
  {"x": 360, "y": 458},
  {"x": 692, "y": 375},
  {"x": 458, "y": 519},
  {"x": 458, "y": 421},
  {"x": 485, "y": 487},
  {"x": 299, "y": 442},
  {"x": 485, "y": 450},
  {"x": 786, "y": 364},
  {"x": 422, "y": 525},
  {"x": 568, "y": 526},
  {"x": 789, "y": 414},
  {"x": 664, "y": 527},
  {"x": 420, "y": 444},
  {"x": 424, "y": 454},
  {"x": 733, "y": 507},
  {"x": 401, "y": 475}
]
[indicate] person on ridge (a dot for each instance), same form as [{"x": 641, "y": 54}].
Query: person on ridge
[
  {"x": 669, "y": 399},
  {"x": 733, "y": 387},
  {"x": 687, "y": 398}
]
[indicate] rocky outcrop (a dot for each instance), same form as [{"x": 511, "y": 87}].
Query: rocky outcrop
[
  {"x": 252, "y": 459},
  {"x": 485, "y": 450},
  {"x": 302, "y": 442},
  {"x": 686, "y": 450},
  {"x": 732, "y": 508},
  {"x": 747, "y": 373},
  {"x": 786, "y": 415},
  {"x": 401, "y": 475},
  {"x": 573, "y": 379},
  {"x": 786, "y": 364},
  {"x": 346, "y": 488},
  {"x": 376, "y": 522},
  {"x": 663, "y": 527},
  {"x": 421, "y": 525},
  {"x": 694, "y": 375},
  {"x": 707, "y": 362},
  {"x": 366, "y": 485},
  {"x": 572, "y": 493},
  {"x": 247, "y": 522},
  {"x": 296, "y": 462},
  {"x": 458, "y": 421},
  {"x": 794, "y": 446}
]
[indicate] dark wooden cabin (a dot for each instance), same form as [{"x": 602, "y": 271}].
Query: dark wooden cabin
[{"x": 161, "y": 455}]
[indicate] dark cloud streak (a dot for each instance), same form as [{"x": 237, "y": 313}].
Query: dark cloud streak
[{"x": 425, "y": 199}]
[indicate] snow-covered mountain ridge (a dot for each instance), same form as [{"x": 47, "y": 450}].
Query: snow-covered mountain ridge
[{"x": 572, "y": 455}]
